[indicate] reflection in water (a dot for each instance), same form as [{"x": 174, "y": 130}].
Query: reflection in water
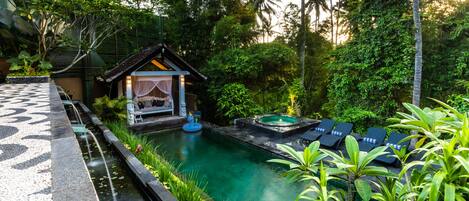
[{"x": 231, "y": 171}]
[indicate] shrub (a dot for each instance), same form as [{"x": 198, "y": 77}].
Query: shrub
[
  {"x": 458, "y": 102},
  {"x": 440, "y": 172},
  {"x": 361, "y": 118},
  {"x": 26, "y": 65},
  {"x": 111, "y": 109},
  {"x": 235, "y": 101}
]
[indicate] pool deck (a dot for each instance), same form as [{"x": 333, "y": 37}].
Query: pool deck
[
  {"x": 39, "y": 155},
  {"x": 269, "y": 141}
]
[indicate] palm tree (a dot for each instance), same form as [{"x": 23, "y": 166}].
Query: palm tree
[
  {"x": 317, "y": 5},
  {"x": 264, "y": 10},
  {"x": 303, "y": 41},
  {"x": 310, "y": 5},
  {"x": 418, "y": 54},
  {"x": 332, "y": 21}
]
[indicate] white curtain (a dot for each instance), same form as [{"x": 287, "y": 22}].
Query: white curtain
[{"x": 144, "y": 85}]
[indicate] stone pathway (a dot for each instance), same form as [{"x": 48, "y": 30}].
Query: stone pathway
[{"x": 25, "y": 142}]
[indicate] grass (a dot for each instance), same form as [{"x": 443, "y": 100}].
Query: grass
[{"x": 183, "y": 188}]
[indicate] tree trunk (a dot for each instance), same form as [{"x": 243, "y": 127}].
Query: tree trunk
[
  {"x": 302, "y": 42},
  {"x": 350, "y": 187},
  {"x": 332, "y": 22},
  {"x": 337, "y": 23},
  {"x": 418, "y": 54}
]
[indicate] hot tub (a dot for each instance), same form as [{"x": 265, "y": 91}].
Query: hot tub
[{"x": 277, "y": 120}]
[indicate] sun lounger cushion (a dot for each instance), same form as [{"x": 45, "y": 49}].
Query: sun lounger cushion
[
  {"x": 337, "y": 135},
  {"x": 395, "y": 142},
  {"x": 374, "y": 137},
  {"x": 323, "y": 128}
]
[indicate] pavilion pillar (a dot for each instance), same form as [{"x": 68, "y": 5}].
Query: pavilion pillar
[
  {"x": 182, "y": 97},
  {"x": 130, "y": 105}
]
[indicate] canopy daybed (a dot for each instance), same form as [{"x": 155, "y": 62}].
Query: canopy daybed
[
  {"x": 146, "y": 80},
  {"x": 151, "y": 104}
]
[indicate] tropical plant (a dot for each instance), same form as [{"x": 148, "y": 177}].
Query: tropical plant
[
  {"x": 304, "y": 167},
  {"x": 373, "y": 70},
  {"x": 26, "y": 65},
  {"x": 428, "y": 123},
  {"x": 111, "y": 109},
  {"x": 361, "y": 118},
  {"x": 391, "y": 189},
  {"x": 264, "y": 10},
  {"x": 320, "y": 190},
  {"x": 317, "y": 5},
  {"x": 235, "y": 102},
  {"x": 304, "y": 162},
  {"x": 183, "y": 188},
  {"x": 357, "y": 166},
  {"x": 444, "y": 169}
]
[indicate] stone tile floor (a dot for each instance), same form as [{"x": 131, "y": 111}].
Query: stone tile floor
[
  {"x": 25, "y": 142},
  {"x": 269, "y": 141}
]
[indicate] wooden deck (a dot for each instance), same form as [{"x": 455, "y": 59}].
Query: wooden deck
[{"x": 158, "y": 123}]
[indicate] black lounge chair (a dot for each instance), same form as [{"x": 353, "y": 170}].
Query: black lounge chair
[
  {"x": 374, "y": 137},
  {"x": 324, "y": 127},
  {"x": 337, "y": 135},
  {"x": 393, "y": 141}
]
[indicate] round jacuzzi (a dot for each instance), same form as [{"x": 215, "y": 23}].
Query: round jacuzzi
[{"x": 277, "y": 120}]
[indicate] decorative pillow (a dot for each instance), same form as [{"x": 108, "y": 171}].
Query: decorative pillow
[
  {"x": 140, "y": 105},
  {"x": 159, "y": 103},
  {"x": 336, "y": 133},
  {"x": 369, "y": 140},
  {"x": 398, "y": 147}
]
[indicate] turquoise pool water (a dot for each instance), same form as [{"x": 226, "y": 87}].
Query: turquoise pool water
[{"x": 231, "y": 171}]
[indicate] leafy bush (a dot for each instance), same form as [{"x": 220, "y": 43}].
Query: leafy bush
[
  {"x": 440, "y": 173},
  {"x": 267, "y": 69},
  {"x": 235, "y": 102},
  {"x": 26, "y": 65},
  {"x": 353, "y": 169},
  {"x": 373, "y": 70},
  {"x": 182, "y": 188},
  {"x": 111, "y": 110},
  {"x": 458, "y": 102},
  {"x": 361, "y": 118}
]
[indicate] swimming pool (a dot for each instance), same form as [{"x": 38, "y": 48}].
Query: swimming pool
[{"x": 231, "y": 170}]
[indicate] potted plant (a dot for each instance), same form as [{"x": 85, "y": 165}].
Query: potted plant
[{"x": 28, "y": 69}]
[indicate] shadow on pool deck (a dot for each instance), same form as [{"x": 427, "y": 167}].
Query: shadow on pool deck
[{"x": 269, "y": 141}]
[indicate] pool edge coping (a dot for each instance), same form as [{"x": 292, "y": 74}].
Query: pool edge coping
[{"x": 80, "y": 186}]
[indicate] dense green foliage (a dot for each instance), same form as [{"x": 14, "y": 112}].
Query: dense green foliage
[
  {"x": 111, "y": 109},
  {"x": 27, "y": 65},
  {"x": 372, "y": 72},
  {"x": 182, "y": 188},
  {"x": 317, "y": 52},
  {"x": 441, "y": 173},
  {"x": 267, "y": 70},
  {"x": 235, "y": 102}
]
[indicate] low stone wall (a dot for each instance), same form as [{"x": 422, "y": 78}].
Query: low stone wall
[
  {"x": 151, "y": 185},
  {"x": 70, "y": 177}
]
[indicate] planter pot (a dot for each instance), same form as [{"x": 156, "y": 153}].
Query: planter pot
[
  {"x": 27, "y": 79},
  {"x": 4, "y": 66}
]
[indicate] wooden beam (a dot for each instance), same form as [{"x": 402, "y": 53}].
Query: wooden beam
[{"x": 159, "y": 73}]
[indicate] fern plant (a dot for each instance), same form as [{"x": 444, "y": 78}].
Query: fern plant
[{"x": 111, "y": 109}]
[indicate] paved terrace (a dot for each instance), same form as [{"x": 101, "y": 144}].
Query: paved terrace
[
  {"x": 269, "y": 141},
  {"x": 39, "y": 155}
]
